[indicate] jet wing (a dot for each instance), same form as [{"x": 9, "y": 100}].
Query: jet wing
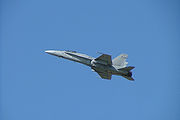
[
  {"x": 105, "y": 58},
  {"x": 104, "y": 75}
]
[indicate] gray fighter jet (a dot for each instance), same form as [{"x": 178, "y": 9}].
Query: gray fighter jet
[{"x": 103, "y": 65}]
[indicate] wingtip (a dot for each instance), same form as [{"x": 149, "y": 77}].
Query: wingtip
[{"x": 131, "y": 79}]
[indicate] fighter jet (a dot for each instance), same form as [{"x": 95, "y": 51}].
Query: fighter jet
[{"x": 103, "y": 64}]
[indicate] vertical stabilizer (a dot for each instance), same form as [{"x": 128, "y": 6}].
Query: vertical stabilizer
[{"x": 120, "y": 60}]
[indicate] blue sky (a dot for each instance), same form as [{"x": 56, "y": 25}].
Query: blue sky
[{"x": 35, "y": 85}]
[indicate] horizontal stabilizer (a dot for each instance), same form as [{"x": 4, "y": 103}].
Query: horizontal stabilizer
[
  {"x": 129, "y": 78},
  {"x": 129, "y": 68}
]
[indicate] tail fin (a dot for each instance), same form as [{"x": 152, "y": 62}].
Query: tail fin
[{"x": 120, "y": 60}]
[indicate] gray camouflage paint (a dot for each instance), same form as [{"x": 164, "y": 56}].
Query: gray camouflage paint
[{"x": 103, "y": 65}]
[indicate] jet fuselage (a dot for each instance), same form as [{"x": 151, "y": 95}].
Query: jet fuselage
[{"x": 97, "y": 65}]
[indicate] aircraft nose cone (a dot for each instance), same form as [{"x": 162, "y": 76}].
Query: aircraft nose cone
[{"x": 52, "y": 52}]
